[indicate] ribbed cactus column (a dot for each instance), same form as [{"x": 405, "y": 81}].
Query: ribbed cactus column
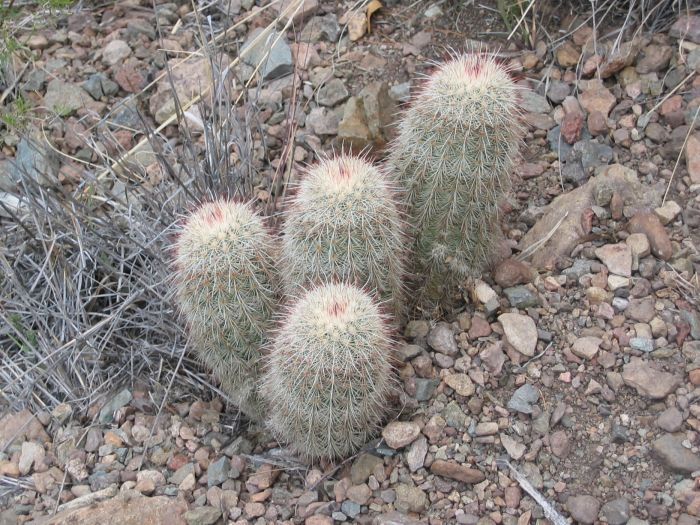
[
  {"x": 453, "y": 155},
  {"x": 226, "y": 288},
  {"x": 343, "y": 226},
  {"x": 329, "y": 373}
]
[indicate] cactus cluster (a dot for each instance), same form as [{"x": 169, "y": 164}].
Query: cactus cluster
[
  {"x": 343, "y": 225},
  {"x": 322, "y": 384},
  {"x": 226, "y": 286},
  {"x": 453, "y": 155},
  {"x": 329, "y": 372}
]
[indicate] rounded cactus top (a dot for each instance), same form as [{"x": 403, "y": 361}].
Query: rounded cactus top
[
  {"x": 219, "y": 225},
  {"x": 342, "y": 182},
  {"x": 339, "y": 320},
  {"x": 468, "y": 80}
]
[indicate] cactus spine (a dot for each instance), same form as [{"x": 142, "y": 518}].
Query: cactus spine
[
  {"x": 453, "y": 155},
  {"x": 226, "y": 287},
  {"x": 343, "y": 225},
  {"x": 329, "y": 374}
]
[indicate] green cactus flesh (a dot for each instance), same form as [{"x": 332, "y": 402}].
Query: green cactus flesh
[
  {"x": 343, "y": 225},
  {"x": 453, "y": 155},
  {"x": 227, "y": 291},
  {"x": 329, "y": 373}
]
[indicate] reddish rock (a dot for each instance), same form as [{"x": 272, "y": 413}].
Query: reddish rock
[
  {"x": 687, "y": 27},
  {"x": 597, "y": 98},
  {"x": 130, "y": 77},
  {"x": 650, "y": 225},
  {"x": 671, "y": 105},
  {"x": 480, "y": 328},
  {"x": 511, "y": 272},
  {"x": 452, "y": 470},
  {"x": 597, "y": 123},
  {"x": 654, "y": 58},
  {"x": 571, "y": 126},
  {"x": 692, "y": 157}
]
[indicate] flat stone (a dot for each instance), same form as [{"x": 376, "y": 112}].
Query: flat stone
[
  {"x": 654, "y": 58},
  {"x": 279, "y": 60},
  {"x": 453, "y": 470},
  {"x": 425, "y": 388},
  {"x": 398, "y": 434},
  {"x": 113, "y": 404},
  {"x": 616, "y": 512},
  {"x": 442, "y": 339},
  {"x": 669, "y": 450},
  {"x": 363, "y": 467},
  {"x": 586, "y": 347},
  {"x": 521, "y": 297},
  {"x": 523, "y": 399},
  {"x": 648, "y": 381},
  {"x": 461, "y": 384},
  {"x": 583, "y": 509},
  {"x": 617, "y": 258},
  {"x": 641, "y": 309},
  {"x": 560, "y": 444},
  {"x": 520, "y": 332},
  {"x": 416, "y": 454},
  {"x": 297, "y": 12},
  {"x": 322, "y": 121}
]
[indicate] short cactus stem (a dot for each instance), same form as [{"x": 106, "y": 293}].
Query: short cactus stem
[
  {"x": 343, "y": 225},
  {"x": 329, "y": 375},
  {"x": 226, "y": 288},
  {"x": 453, "y": 155}
]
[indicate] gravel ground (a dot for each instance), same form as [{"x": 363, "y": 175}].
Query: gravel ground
[{"x": 574, "y": 364}]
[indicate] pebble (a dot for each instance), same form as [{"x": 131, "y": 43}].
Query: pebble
[
  {"x": 515, "y": 449},
  {"x": 617, "y": 258},
  {"x": 583, "y": 509},
  {"x": 332, "y": 93},
  {"x": 398, "y": 434},
  {"x": 616, "y": 512},
  {"x": 648, "y": 381},
  {"x": 203, "y": 515},
  {"x": 512, "y": 272},
  {"x": 586, "y": 347},
  {"x": 523, "y": 399},
  {"x": 113, "y": 404},
  {"x": 650, "y": 225},
  {"x": 410, "y": 498},
  {"x": 31, "y": 456},
  {"x": 279, "y": 60},
  {"x": 441, "y": 339},
  {"x": 453, "y": 470},
  {"x": 363, "y": 467},
  {"x": 115, "y": 52},
  {"x": 670, "y": 420},
  {"x": 520, "y": 332},
  {"x": 415, "y": 457},
  {"x": 674, "y": 456},
  {"x": 669, "y": 211},
  {"x": 461, "y": 384}
]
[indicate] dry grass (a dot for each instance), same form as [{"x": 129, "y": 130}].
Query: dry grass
[{"x": 85, "y": 305}]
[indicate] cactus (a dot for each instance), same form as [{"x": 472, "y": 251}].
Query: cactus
[
  {"x": 343, "y": 225},
  {"x": 328, "y": 374},
  {"x": 226, "y": 287},
  {"x": 453, "y": 154}
]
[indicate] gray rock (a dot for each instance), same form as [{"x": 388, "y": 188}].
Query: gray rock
[
  {"x": 669, "y": 450},
  {"x": 396, "y": 518},
  {"x": 350, "y": 508},
  {"x": 113, "y": 404},
  {"x": 64, "y": 98},
  {"x": 649, "y": 382},
  {"x": 521, "y": 297},
  {"x": 693, "y": 319},
  {"x": 98, "y": 86},
  {"x": 533, "y": 103},
  {"x": 35, "y": 80},
  {"x": 405, "y": 352},
  {"x": 115, "y": 52},
  {"x": 180, "y": 474},
  {"x": 401, "y": 92},
  {"x": 643, "y": 344},
  {"x": 217, "y": 472},
  {"x": 275, "y": 64},
  {"x": 441, "y": 339},
  {"x": 126, "y": 114},
  {"x": 583, "y": 509},
  {"x": 322, "y": 121},
  {"x": 332, "y": 93},
  {"x": 416, "y": 454},
  {"x": 616, "y": 512},
  {"x": 454, "y": 416},
  {"x": 584, "y": 157},
  {"x": 202, "y": 516},
  {"x": 425, "y": 388},
  {"x": 558, "y": 91},
  {"x": 321, "y": 28},
  {"x": 31, "y": 161},
  {"x": 523, "y": 399}
]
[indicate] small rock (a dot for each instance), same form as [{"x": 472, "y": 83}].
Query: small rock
[
  {"x": 616, "y": 512},
  {"x": 461, "y": 384},
  {"x": 279, "y": 60},
  {"x": 650, "y": 225},
  {"x": 322, "y": 121},
  {"x": 674, "y": 456},
  {"x": 514, "y": 449},
  {"x": 617, "y": 258},
  {"x": 668, "y": 212},
  {"x": 203, "y": 516},
  {"x": 332, "y": 93},
  {"x": 648, "y": 381},
  {"x": 398, "y": 434},
  {"x": 654, "y": 58},
  {"x": 692, "y": 157},
  {"x": 533, "y": 103},
  {"x": 363, "y": 467},
  {"x": 453, "y": 470},
  {"x": 639, "y": 245},
  {"x": 686, "y": 27},
  {"x": 416, "y": 454},
  {"x": 441, "y": 339},
  {"x": 410, "y": 498},
  {"x": 360, "y": 494},
  {"x": 64, "y": 98},
  {"x": 597, "y": 98},
  {"x": 520, "y": 332},
  {"x": 523, "y": 399},
  {"x": 116, "y": 51},
  {"x": 521, "y": 297},
  {"x": 32, "y": 455},
  {"x": 217, "y": 472},
  {"x": 670, "y": 420},
  {"x": 586, "y": 347},
  {"x": 493, "y": 357},
  {"x": 113, "y": 404},
  {"x": 560, "y": 444},
  {"x": 641, "y": 310},
  {"x": 567, "y": 54},
  {"x": 583, "y": 509},
  {"x": 512, "y": 272}
]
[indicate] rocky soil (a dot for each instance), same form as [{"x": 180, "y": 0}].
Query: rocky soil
[{"x": 576, "y": 360}]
